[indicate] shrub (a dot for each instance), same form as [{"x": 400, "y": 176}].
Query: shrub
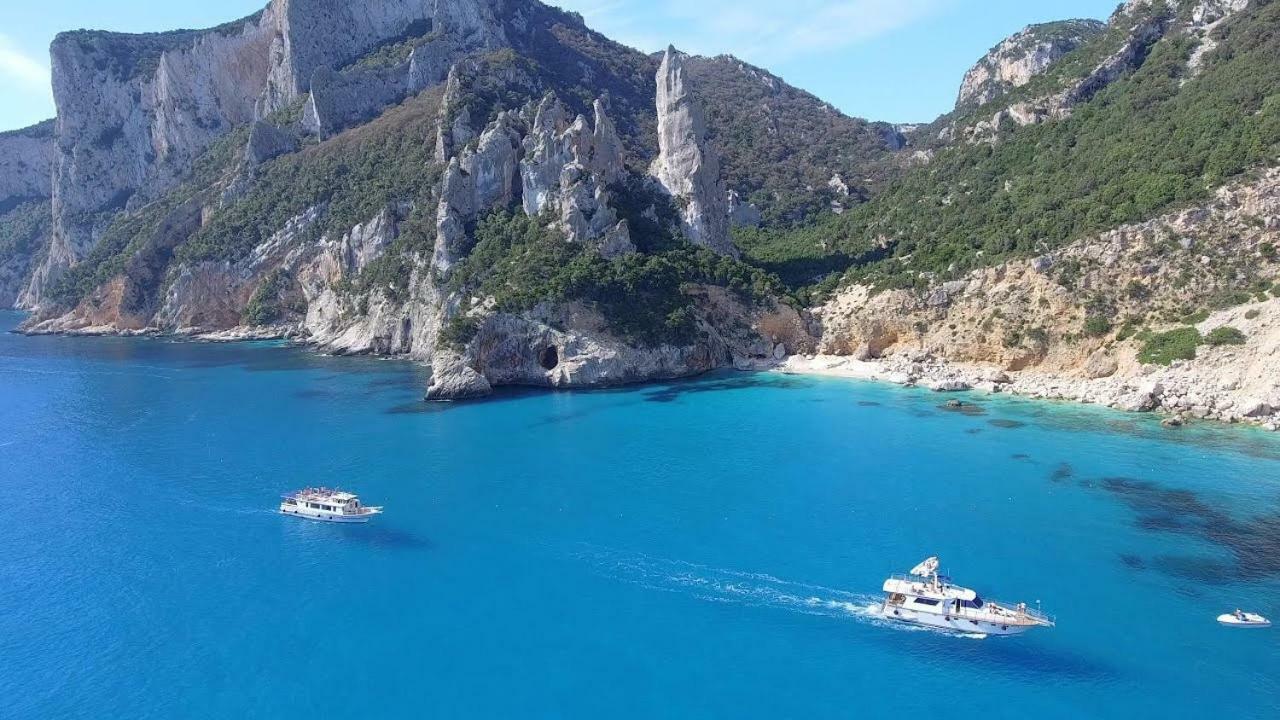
[
  {"x": 1096, "y": 326},
  {"x": 1225, "y": 335},
  {"x": 1163, "y": 348},
  {"x": 1252, "y": 314}
]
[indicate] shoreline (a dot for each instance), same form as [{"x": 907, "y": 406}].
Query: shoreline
[
  {"x": 1177, "y": 393},
  {"x": 1169, "y": 392}
]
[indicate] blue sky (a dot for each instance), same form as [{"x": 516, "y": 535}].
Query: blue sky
[{"x": 896, "y": 60}]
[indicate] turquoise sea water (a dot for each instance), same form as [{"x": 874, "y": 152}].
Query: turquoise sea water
[{"x": 694, "y": 549}]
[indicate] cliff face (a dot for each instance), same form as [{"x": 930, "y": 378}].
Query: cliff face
[
  {"x": 687, "y": 166},
  {"x": 1107, "y": 53},
  {"x": 26, "y": 158},
  {"x": 1020, "y": 57},
  {"x": 134, "y": 112},
  {"x": 335, "y": 187},
  {"x": 493, "y": 188}
]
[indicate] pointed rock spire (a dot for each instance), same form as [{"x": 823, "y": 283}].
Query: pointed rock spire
[{"x": 687, "y": 166}]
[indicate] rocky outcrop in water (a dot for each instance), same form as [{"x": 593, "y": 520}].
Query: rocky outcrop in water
[
  {"x": 687, "y": 166},
  {"x": 1017, "y": 59}
]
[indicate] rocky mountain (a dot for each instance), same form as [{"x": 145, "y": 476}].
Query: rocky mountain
[
  {"x": 491, "y": 187},
  {"x": 1020, "y": 57},
  {"x": 472, "y": 183}
]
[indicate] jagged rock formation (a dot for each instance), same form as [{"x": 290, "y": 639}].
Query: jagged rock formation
[
  {"x": 687, "y": 166},
  {"x": 463, "y": 182},
  {"x": 1022, "y": 56},
  {"x": 567, "y": 170},
  {"x": 475, "y": 181}
]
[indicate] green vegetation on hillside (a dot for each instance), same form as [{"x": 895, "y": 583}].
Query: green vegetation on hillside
[
  {"x": 127, "y": 232},
  {"x": 781, "y": 146},
  {"x": 22, "y": 228},
  {"x": 1142, "y": 145},
  {"x": 1163, "y": 348},
  {"x": 1225, "y": 335},
  {"x": 398, "y": 49},
  {"x": 351, "y": 176},
  {"x": 270, "y": 301},
  {"x": 521, "y": 262}
]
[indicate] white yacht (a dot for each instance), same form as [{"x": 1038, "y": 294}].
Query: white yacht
[
  {"x": 327, "y": 505},
  {"x": 926, "y": 598}
]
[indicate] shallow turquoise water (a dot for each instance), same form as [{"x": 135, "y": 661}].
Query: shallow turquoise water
[{"x": 695, "y": 549}]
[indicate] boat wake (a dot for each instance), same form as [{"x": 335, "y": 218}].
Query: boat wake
[{"x": 723, "y": 585}]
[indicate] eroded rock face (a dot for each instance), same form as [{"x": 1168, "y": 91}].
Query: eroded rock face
[
  {"x": 687, "y": 166},
  {"x": 1140, "y": 23},
  {"x": 567, "y": 169},
  {"x": 26, "y": 157},
  {"x": 1017, "y": 59},
  {"x": 453, "y": 379},
  {"x": 478, "y": 180},
  {"x": 134, "y": 111},
  {"x": 26, "y": 162}
]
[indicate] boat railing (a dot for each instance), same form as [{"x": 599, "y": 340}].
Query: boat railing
[{"x": 1035, "y": 613}]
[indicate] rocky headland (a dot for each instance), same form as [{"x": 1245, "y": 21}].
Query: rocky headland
[{"x": 494, "y": 189}]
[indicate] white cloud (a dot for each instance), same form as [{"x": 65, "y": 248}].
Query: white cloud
[
  {"x": 762, "y": 31},
  {"x": 22, "y": 69}
]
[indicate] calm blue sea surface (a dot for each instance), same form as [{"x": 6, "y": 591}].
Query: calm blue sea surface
[{"x": 694, "y": 549}]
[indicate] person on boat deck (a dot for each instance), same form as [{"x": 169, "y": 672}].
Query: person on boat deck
[{"x": 1239, "y": 614}]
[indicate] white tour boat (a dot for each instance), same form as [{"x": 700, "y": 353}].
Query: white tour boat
[
  {"x": 926, "y": 598},
  {"x": 327, "y": 505},
  {"x": 1241, "y": 619}
]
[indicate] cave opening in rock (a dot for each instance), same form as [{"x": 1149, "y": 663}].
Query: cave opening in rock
[{"x": 549, "y": 358}]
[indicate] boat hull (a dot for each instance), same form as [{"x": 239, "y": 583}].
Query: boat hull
[
  {"x": 951, "y": 623},
  {"x": 1254, "y": 621},
  {"x": 329, "y": 518}
]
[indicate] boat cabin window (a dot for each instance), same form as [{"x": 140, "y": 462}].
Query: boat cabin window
[
  {"x": 924, "y": 601},
  {"x": 976, "y": 602}
]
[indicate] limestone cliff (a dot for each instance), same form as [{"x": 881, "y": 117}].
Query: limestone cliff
[
  {"x": 26, "y": 158},
  {"x": 1106, "y": 55},
  {"x": 1022, "y": 56},
  {"x": 136, "y": 110},
  {"x": 687, "y": 166}
]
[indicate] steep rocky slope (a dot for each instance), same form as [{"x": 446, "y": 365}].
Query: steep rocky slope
[
  {"x": 26, "y": 158},
  {"x": 1177, "y": 313},
  {"x": 491, "y": 187},
  {"x": 1021, "y": 57},
  {"x": 469, "y": 187}
]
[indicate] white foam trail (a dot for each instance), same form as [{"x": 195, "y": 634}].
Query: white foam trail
[{"x": 723, "y": 585}]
